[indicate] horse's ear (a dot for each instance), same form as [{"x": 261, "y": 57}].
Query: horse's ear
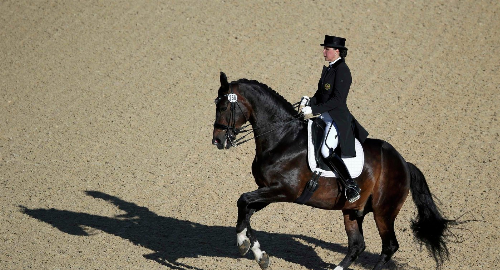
[{"x": 223, "y": 81}]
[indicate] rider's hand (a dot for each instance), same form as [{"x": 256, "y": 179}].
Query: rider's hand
[
  {"x": 304, "y": 101},
  {"x": 307, "y": 111}
]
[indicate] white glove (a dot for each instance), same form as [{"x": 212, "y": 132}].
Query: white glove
[
  {"x": 304, "y": 101},
  {"x": 307, "y": 111}
]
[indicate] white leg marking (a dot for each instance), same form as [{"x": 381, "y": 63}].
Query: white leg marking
[
  {"x": 256, "y": 251},
  {"x": 241, "y": 237},
  {"x": 339, "y": 268}
]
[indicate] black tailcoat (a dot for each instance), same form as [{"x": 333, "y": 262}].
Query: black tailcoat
[{"x": 331, "y": 97}]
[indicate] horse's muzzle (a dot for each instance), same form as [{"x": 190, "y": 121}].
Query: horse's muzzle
[
  {"x": 218, "y": 143},
  {"x": 221, "y": 144}
]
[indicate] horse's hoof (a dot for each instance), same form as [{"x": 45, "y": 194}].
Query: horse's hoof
[
  {"x": 244, "y": 247},
  {"x": 264, "y": 262}
]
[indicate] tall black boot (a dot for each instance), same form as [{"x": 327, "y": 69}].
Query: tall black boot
[{"x": 351, "y": 187}]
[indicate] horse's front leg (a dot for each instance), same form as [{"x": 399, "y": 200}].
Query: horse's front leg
[
  {"x": 242, "y": 230},
  {"x": 248, "y": 204}
]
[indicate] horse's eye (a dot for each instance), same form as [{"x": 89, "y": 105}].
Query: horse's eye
[{"x": 222, "y": 109}]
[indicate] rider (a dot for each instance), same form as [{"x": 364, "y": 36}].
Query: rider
[{"x": 330, "y": 102}]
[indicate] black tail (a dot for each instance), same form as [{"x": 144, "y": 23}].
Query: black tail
[{"x": 430, "y": 227}]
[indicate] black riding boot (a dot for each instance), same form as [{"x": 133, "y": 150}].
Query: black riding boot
[{"x": 351, "y": 188}]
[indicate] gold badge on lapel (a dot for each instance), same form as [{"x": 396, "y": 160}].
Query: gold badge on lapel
[{"x": 327, "y": 86}]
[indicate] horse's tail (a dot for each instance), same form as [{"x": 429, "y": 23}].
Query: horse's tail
[{"x": 430, "y": 227}]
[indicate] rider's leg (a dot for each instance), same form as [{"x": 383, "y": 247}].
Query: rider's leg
[
  {"x": 352, "y": 191},
  {"x": 330, "y": 142}
]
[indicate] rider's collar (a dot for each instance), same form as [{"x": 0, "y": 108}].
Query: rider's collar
[{"x": 331, "y": 63}]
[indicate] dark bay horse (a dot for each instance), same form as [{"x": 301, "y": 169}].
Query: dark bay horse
[{"x": 281, "y": 171}]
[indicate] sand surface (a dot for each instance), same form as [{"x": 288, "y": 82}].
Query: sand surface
[{"x": 106, "y": 113}]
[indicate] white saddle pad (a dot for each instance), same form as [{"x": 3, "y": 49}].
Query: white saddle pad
[{"x": 354, "y": 165}]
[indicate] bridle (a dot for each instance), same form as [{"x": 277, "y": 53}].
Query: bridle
[{"x": 232, "y": 131}]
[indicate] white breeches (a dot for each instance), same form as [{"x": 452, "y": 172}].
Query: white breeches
[{"x": 330, "y": 139}]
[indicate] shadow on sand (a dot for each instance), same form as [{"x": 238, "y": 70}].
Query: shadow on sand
[{"x": 171, "y": 239}]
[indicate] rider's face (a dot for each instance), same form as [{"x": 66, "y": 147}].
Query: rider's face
[{"x": 330, "y": 54}]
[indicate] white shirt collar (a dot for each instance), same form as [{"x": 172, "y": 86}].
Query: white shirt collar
[{"x": 331, "y": 63}]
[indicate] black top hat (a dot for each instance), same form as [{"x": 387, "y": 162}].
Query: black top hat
[{"x": 334, "y": 42}]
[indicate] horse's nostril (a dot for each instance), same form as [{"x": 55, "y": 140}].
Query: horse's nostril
[{"x": 215, "y": 141}]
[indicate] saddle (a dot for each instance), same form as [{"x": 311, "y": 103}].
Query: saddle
[{"x": 315, "y": 133}]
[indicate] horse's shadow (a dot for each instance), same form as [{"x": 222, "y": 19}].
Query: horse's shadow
[{"x": 171, "y": 239}]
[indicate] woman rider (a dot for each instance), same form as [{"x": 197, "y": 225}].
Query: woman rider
[{"x": 330, "y": 102}]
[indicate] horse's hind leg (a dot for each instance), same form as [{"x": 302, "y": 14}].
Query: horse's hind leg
[
  {"x": 389, "y": 242},
  {"x": 389, "y": 195},
  {"x": 354, "y": 229},
  {"x": 385, "y": 214},
  {"x": 248, "y": 204}
]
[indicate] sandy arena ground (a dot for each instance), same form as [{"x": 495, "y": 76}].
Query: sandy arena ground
[{"x": 106, "y": 113}]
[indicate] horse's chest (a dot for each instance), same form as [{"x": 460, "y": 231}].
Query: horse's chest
[{"x": 262, "y": 172}]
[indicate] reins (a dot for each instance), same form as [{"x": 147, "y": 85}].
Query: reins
[
  {"x": 233, "y": 99},
  {"x": 248, "y": 132},
  {"x": 295, "y": 117}
]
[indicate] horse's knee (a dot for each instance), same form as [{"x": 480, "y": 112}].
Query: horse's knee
[{"x": 242, "y": 201}]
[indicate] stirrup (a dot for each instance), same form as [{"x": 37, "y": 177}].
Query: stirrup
[{"x": 357, "y": 195}]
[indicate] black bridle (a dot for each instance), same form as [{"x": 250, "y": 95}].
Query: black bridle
[{"x": 232, "y": 131}]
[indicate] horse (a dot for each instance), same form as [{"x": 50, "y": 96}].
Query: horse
[{"x": 281, "y": 172}]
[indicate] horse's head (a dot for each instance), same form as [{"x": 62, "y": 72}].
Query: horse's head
[{"x": 231, "y": 113}]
